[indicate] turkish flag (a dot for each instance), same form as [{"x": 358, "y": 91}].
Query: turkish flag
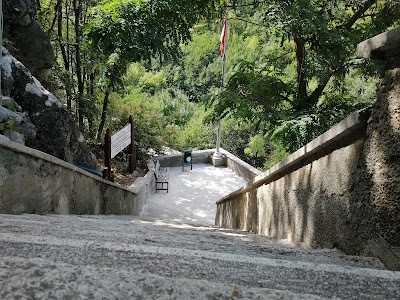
[{"x": 222, "y": 39}]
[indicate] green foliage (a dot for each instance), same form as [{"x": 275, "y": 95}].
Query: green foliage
[
  {"x": 147, "y": 114},
  {"x": 9, "y": 124},
  {"x": 176, "y": 106},
  {"x": 151, "y": 82},
  {"x": 195, "y": 134},
  {"x": 277, "y": 154},
  {"x": 113, "y": 71},
  {"x": 256, "y": 150},
  {"x": 163, "y": 117},
  {"x": 292, "y": 134},
  {"x": 235, "y": 135},
  {"x": 250, "y": 94},
  {"x": 308, "y": 80},
  {"x": 256, "y": 147},
  {"x": 288, "y": 79},
  {"x": 296, "y": 133},
  {"x": 133, "y": 75},
  {"x": 199, "y": 69},
  {"x": 145, "y": 29},
  {"x": 134, "y": 30}
]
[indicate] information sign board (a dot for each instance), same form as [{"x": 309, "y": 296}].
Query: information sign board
[{"x": 120, "y": 140}]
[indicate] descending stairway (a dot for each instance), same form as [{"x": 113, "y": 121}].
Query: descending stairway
[{"x": 110, "y": 257}]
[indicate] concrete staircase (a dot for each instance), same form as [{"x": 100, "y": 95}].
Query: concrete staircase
[{"x": 114, "y": 257}]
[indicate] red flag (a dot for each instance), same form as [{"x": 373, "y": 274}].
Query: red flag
[{"x": 222, "y": 39}]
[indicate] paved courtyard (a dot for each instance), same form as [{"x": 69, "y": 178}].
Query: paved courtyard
[{"x": 192, "y": 195}]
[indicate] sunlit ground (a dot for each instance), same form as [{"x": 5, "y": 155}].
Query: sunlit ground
[{"x": 192, "y": 195}]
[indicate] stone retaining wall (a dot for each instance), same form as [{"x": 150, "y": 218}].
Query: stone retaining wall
[{"x": 35, "y": 182}]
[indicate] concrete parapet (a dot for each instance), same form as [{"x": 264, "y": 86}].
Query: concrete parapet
[
  {"x": 344, "y": 133},
  {"x": 379, "y": 45},
  {"x": 175, "y": 160},
  {"x": 237, "y": 165},
  {"x": 240, "y": 167},
  {"x": 35, "y": 182}
]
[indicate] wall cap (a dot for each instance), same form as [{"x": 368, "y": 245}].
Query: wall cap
[{"x": 377, "y": 46}]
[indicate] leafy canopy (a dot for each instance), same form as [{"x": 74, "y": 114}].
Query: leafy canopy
[
  {"x": 140, "y": 29},
  {"x": 301, "y": 87}
]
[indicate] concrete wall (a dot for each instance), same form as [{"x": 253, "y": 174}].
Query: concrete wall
[
  {"x": 308, "y": 199},
  {"x": 35, "y": 182},
  {"x": 342, "y": 189},
  {"x": 237, "y": 165},
  {"x": 240, "y": 167},
  {"x": 311, "y": 204},
  {"x": 175, "y": 160},
  {"x": 290, "y": 198}
]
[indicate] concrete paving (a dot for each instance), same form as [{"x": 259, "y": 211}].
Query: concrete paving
[
  {"x": 119, "y": 257},
  {"x": 159, "y": 255},
  {"x": 192, "y": 195}
]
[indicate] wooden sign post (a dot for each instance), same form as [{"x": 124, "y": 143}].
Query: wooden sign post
[
  {"x": 117, "y": 142},
  {"x": 132, "y": 150},
  {"x": 107, "y": 156}
]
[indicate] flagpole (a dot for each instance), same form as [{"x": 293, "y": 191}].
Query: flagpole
[{"x": 217, "y": 153}]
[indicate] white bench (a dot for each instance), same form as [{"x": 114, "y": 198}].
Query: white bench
[{"x": 162, "y": 177}]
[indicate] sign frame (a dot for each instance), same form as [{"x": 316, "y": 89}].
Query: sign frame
[{"x": 114, "y": 144}]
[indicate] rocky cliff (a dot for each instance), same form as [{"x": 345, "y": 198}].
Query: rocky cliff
[
  {"x": 24, "y": 38},
  {"x": 32, "y": 115}
]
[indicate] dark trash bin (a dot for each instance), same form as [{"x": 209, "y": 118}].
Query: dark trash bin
[{"x": 187, "y": 159}]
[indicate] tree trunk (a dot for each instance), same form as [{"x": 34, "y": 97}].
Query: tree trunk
[
  {"x": 56, "y": 16},
  {"x": 71, "y": 88},
  {"x": 103, "y": 115},
  {"x": 63, "y": 51},
  {"x": 90, "y": 92},
  {"x": 78, "y": 11},
  {"x": 300, "y": 58}
]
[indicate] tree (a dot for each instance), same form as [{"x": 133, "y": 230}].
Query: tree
[
  {"x": 135, "y": 30},
  {"x": 64, "y": 21},
  {"x": 302, "y": 80},
  {"x": 324, "y": 35}
]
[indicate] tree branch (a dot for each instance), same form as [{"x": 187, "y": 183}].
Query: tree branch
[
  {"x": 250, "y": 22},
  {"x": 316, "y": 94},
  {"x": 56, "y": 9},
  {"x": 358, "y": 14},
  {"x": 255, "y": 3}
]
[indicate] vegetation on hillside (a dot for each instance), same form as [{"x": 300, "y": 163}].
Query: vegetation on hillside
[{"x": 291, "y": 69}]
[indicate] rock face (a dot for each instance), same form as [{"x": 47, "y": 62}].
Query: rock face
[
  {"x": 48, "y": 127},
  {"x": 377, "y": 181},
  {"x": 375, "y": 208},
  {"x": 24, "y": 37}
]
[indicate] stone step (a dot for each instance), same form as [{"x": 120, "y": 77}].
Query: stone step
[{"x": 124, "y": 257}]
